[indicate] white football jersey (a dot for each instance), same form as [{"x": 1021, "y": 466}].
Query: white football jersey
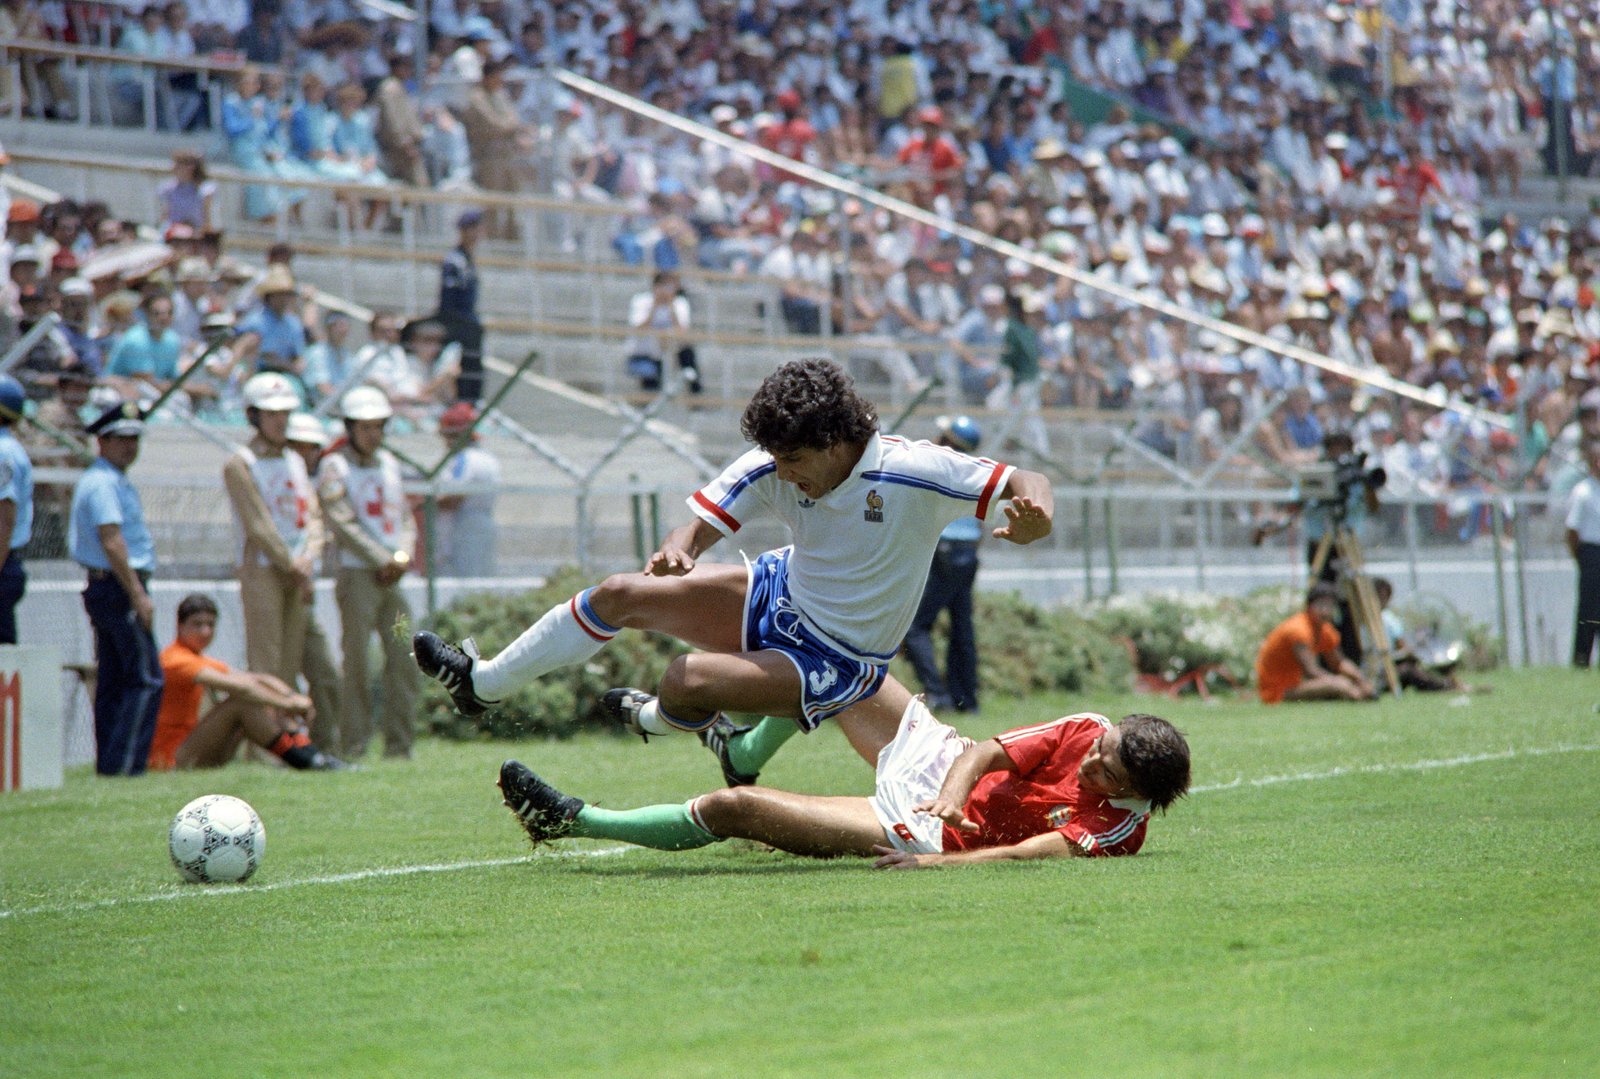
[{"x": 861, "y": 552}]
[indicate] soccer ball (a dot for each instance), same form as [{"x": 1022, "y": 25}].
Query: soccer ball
[{"x": 216, "y": 839}]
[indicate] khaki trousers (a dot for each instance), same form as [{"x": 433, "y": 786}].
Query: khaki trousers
[
  {"x": 282, "y": 638},
  {"x": 327, "y": 688},
  {"x": 275, "y": 618},
  {"x": 365, "y": 606}
]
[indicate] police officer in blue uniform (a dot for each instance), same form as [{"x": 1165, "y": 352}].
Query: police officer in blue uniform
[
  {"x": 950, "y": 580},
  {"x": 458, "y": 305},
  {"x": 16, "y": 506},
  {"x": 112, "y": 543}
]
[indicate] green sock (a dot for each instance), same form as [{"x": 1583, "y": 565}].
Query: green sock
[
  {"x": 664, "y": 827},
  {"x": 751, "y": 751}
]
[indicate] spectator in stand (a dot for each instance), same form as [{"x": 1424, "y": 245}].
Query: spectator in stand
[
  {"x": 433, "y": 369},
  {"x": 186, "y": 196},
  {"x": 1301, "y": 429},
  {"x": 190, "y": 302},
  {"x": 791, "y": 134},
  {"x": 923, "y": 307},
  {"x": 354, "y": 143},
  {"x": 77, "y": 307},
  {"x": 252, "y": 124},
  {"x": 43, "y": 362},
  {"x": 186, "y": 102},
  {"x": 118, "y": 314},
  {"x": 272, "y": 337},
  {"x": 380, "y": 362},
  {"x": 1018, "y": 392},
  {"x": 499, "y": 140},
  {"x": 977, "y": 339},
  {"x": 144, "y": 361},
  {"x": 932, "y": 157},
  {"x": 805, "y": 273},
  {"x": 264, "y": 39},
  {"x": 654, "y": 315},
  {"x": 399, "y": 131},
  {"x": 43, "y": 91},
  {"x": 330, "y": 361},
  {"x": 311, "y": 126}
]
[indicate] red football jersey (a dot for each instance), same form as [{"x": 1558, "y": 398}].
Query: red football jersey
[{"x": 1042, "y": 795}]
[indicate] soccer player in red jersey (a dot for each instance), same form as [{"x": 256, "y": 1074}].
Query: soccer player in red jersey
[{"x": 1079, "y": 785}]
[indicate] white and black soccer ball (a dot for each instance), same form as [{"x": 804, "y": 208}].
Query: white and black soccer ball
[{"x": 217, "y": 839}]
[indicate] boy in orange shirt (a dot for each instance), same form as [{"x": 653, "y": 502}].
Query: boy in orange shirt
[
  {"x": 1295, "y": 660},
  {"x": 254, "y": 706}
]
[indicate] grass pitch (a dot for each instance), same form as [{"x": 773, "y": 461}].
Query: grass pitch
[{"x": 1407, "y": 888}]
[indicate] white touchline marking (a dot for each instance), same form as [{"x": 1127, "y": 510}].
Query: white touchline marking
[
  {"x": 198, "y": 892},
  {"x": 1374, "y": 769},
  {"x": 209, "y": 891}
]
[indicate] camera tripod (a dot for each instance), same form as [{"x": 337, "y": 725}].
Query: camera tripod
[{"x": 1341, "y": 543}]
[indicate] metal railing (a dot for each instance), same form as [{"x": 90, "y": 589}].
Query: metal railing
[{"x": 120, "y": 89}]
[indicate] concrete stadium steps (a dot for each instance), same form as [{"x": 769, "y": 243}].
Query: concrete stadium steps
[
  {"x": 179, "y": 477},
  {"x": 517, "y": 288}
]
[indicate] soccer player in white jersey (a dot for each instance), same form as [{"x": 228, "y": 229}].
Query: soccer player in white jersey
[{"x": 801, "y": 632}]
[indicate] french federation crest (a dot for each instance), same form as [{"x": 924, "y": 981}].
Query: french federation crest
[
  {"x": 874, "y": 512},
  {"x": 1059, "y": 815}
]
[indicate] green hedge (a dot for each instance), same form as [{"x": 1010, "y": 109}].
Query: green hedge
[{"x": 1023, "y": 649}]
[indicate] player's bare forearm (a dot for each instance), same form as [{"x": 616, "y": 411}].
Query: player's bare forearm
[
  {"x": 973, "y": 764},
  {"x": 678, "y": 552},
  {"x": 1049, "y": 845}
]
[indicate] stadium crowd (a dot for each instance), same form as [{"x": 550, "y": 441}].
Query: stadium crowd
[{"x": 1314, "y": 171}]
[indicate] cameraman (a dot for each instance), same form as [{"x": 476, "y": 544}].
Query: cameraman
[{"x": 1356, "y": 499}]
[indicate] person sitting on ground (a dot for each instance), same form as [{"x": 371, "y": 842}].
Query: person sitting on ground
[
  {"x": 1295, "y": 660},
  {"x": 1077, "y": 786},
  {"x": 1410, "y": 668},
  {"x": 257, "y": 707}
]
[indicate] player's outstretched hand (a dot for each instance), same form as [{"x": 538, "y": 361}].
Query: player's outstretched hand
[
  {"x": 947, "y": 811},
  {"x": 889, "y": 858},
  {"x": 669, "y": 562},
  {"x": 1026, "y": 521}
]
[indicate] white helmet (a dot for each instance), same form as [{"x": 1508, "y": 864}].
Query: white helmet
[
  {"x": 365, "y": 403},
  {"x": 271, "y": 392},
  {"x": 304, "y": 427}
]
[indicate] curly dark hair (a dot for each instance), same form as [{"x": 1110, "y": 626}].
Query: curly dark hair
[
  {"x": 807, "y": 405},
  {"x": 1157, "y": 758}
]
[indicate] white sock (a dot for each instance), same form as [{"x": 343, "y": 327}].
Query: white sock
[
  {"x": 650, "y": 720},
  {"x": 567, "y": 634},
  {"x": 653, "y": 721}
]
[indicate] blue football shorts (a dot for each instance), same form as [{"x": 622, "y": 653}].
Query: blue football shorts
[{"x": 831, "y": 681}]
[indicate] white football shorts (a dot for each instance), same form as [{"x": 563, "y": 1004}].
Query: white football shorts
[{"x": 911, "y": 769}]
